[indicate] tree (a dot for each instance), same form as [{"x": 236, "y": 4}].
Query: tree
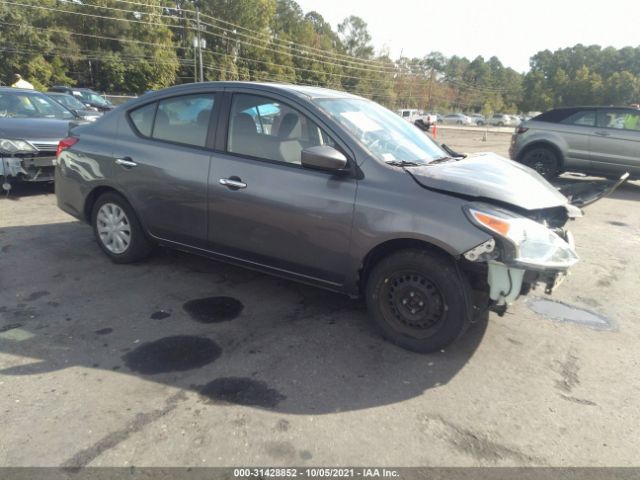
[{"x": 355, "y": 37}]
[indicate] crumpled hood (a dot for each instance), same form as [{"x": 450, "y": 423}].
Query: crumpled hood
[
  {"x": 53, "y": 129},
  {"x": 490, "y": 176}
]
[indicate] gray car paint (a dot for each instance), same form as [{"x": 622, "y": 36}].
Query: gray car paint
[
  {"x": 583, "y": 148},
  {"x": 314, "y": 226},
  {"x": 488, "y": 175}
]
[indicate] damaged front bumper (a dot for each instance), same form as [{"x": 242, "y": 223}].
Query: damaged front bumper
[{"x": 28, "y": 168}]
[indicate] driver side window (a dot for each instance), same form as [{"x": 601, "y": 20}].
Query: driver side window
[{"x": 268, "y": 129}]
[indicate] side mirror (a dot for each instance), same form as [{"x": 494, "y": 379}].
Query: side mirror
[{"x": 323, "y": 157}]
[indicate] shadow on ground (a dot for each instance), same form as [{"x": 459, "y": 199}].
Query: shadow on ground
[
  {"x": 234, "y": 336},
  {"x": 26, "y": 189}
]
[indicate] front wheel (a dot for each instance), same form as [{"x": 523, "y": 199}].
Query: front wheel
[
  {"x": 118, "y": 229},
  {"x": 418, "y": 300}
]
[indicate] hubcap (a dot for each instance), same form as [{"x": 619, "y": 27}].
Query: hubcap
[
  {"x": 414, "y": 303},
  {"x": 113, "y": 227}
]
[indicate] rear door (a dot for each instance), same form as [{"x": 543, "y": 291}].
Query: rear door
[
  {"x": 264, "y": 207},
  {"x": 163, "y": 158},
  {"x": 576, "y": 130},
  {"x": 615, "y": 145}
]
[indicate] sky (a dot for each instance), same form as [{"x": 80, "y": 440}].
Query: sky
[{"x": 511, "y": 30}]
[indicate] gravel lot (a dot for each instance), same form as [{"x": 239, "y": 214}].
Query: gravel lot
[{"x": 104, "y": 364}]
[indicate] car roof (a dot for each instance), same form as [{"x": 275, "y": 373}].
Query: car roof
[
  {"x": 593, "y": 107},
  {"x": 19, "y": 90},
  {"x": 307, "y": 91}
]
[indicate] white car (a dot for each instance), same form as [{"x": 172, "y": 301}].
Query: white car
[
  {"x": 457, "y": 119},
  {"x": 501, "y": 120}
]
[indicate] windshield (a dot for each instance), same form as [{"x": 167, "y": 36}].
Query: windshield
[
  {"x": 69, "y": 101},
  {"x": 31, "y": 105},
  {"x": 386, "y": 136},
  {"x": 92, "y": 97}
]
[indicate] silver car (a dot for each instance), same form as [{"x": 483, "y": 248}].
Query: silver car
[
  {"x": 457, "y": 119},
  {"x": 601, "y": 141}
]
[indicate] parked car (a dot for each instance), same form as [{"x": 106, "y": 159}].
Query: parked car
[
  {"x": 31, "y": 125},
  {"x": 515, "y": 120},
  {"x": 457, "y": 119},
  {"x": 477, "y": 119},
  {"x": 417, "y": 117},
  {"x": 87, "y": 96},
  {"x": 500, "y": 120},
  {"x": 601, "y": 141},
  {"x": 83, "y": 112},
  {"x": 332, "y": 195}
]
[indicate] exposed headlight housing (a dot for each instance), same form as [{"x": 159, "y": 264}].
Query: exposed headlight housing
[
  {"x": 9, "y": 145},
  {"x": 534, "y": 245}
]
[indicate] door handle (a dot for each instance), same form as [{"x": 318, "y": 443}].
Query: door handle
[
  {"x": 602, "y": 134},
  {"x": 234, "y": 183},
  {"x": 126, "y": 163}
]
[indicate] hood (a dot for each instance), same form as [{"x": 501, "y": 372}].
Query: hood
[
  {"x": 490, "y": 176},
  {"x": 34, "y": 128}
]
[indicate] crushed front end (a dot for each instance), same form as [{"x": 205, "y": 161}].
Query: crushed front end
[
  {"x": 26, "y": 161},
  {"x": 527, "y": 249}
]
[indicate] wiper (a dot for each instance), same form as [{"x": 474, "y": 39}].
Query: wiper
[
  {"x": 403, "y": 163},
  {"x": 440, "y": 160}
]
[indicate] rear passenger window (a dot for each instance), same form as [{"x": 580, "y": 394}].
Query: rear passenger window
[
  {"x": 263, "y": 128},
  {"x": 585, "y": 118},
  {"x": 142, "y": 118},
  {"x": 184, "y": 119}
]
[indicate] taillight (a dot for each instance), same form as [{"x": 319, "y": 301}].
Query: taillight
[
  {"x": 521, "y": 130},
  {"x": 66, "y": 143}
]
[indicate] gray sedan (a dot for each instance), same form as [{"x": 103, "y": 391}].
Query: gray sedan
[{"x": 322, "y": 187}]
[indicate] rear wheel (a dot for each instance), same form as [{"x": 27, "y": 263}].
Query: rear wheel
[
  {"x": 118, "y": 229},
  {"x": 543, "y": 160},
  {"x": 418, "y": 300}
]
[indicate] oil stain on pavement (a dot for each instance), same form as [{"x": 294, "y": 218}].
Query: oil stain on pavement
[
  {"x": 172, "y": 354},
  {"x": 563, "y": 312},
  {"x": 213, "y": 309},
  {"x": 241, "y": 391}
]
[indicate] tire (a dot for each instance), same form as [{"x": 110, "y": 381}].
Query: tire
[
  {"x": 501, "y": 124},
  {"x": 543, "y": 160},
  {"x": 124, "y": 240},
  {"x": 418, "y": 300},
  {"x": 459, "y": 122}
]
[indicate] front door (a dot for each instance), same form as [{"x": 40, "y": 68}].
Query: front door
[
  {"x": 265, "y": 208},
  {"x": 615, "y": 144}
]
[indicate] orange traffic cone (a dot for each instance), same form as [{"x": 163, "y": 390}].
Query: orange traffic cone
[{"x": 434, "y": 131}]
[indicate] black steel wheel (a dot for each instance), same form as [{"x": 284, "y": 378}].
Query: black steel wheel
[
  {"x": 543, "y": 160},
  {"x": 419, "y": 300}
]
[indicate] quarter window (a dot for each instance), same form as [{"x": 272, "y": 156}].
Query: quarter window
[
  {"x": 142, "y": 118},
  {"x": 184, "y": 119},
  {"x": 264, "y": 128}
]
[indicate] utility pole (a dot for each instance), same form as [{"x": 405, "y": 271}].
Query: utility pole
[
  {"x": 195, "y": 60},
  {"x": 197, "y": 5}
]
